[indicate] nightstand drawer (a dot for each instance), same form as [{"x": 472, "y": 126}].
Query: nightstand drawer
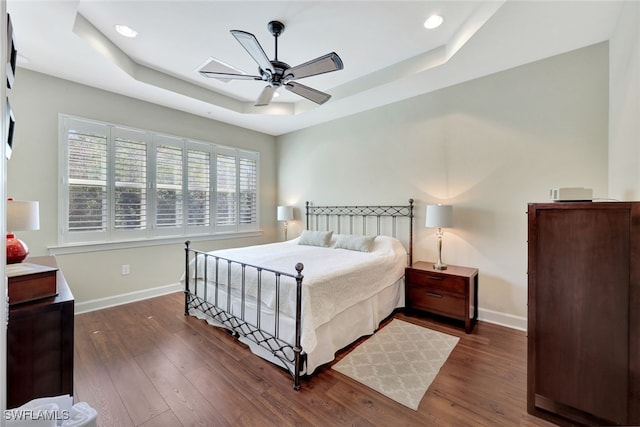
[
  {"x": 431, "y": 299},
  {"x": 437, "y": 283}
]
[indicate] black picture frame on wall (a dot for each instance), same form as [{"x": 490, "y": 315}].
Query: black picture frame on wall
[
  {"x": 12, "y": 54},
  {"x": 10, "y": 125}
]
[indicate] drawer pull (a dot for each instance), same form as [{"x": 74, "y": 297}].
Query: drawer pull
[
  {"x": 434, "y": 277},
  {"x": 433, "y": 294}
]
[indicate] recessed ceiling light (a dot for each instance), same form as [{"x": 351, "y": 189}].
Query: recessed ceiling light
[
  {"x": 432, "y": 22},
  {"x": 126, "y": 31}
]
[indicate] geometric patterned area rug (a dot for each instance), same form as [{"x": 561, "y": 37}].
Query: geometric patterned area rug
[{"x": 400, "y": 361}]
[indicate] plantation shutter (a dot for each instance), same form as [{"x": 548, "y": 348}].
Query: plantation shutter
[
  {"x": 248, "y": 190},
  {"x": 130, "y": 183},
  {"x": 236, "y": 189},
  {"x": 119, "y": 183},
  {"x": 199, "y": 188},
  {"x": 87, "y": 172},
  {"x": 226, "y": 206},
  {"x": 169, "y": 185}
]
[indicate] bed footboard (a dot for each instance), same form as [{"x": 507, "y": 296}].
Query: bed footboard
[{"x": 220, "y": 309}]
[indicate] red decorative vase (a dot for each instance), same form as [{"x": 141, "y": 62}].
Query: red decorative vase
[{"x": 17, "y": 250}]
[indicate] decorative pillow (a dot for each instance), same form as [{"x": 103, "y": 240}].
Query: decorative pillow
[
  {"x": 315, "y": 238},
  {"x": 355, "y": 243}
]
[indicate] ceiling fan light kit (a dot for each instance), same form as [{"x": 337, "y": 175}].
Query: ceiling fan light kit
[{"x": 277, "y": 73}]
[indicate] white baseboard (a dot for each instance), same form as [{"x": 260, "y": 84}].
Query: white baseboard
[
  {"x": 503, "y": 319},
  {"x": 100, "y": 303}
]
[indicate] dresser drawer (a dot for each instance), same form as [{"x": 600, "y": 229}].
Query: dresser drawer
[
  {"x": 450, "y": 285},
  {"x": 431, "y": 299}
]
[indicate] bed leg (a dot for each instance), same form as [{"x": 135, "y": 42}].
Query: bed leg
[
  {"x": 297, "y": 366},
  {"x": 298, "y": 348},
  {"x": 186, "y": 278},
  {"x": 296, "y": 381}
]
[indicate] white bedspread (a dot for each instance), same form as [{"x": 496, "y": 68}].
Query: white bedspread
[{"x": 334, "y": 279}]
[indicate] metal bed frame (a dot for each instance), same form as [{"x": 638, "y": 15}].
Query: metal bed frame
[{"x": 289, "y": 354}]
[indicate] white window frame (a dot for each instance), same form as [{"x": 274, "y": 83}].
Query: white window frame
[{"x": 151, "y": 231}]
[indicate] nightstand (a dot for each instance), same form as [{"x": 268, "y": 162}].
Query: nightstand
[{"x": 452, "y": 292}]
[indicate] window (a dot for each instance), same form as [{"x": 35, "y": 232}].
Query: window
[{"x": 121, "y": 183}]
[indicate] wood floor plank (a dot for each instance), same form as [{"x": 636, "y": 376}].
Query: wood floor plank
[
  {"x": 138, "y": 394},
  {"x": 320, "y": 408},
  {"x": 236, "y": 406},
  {"x": 185, "y": 401},
  {"x": 165, "y": 419},
  {"x": 234, "y": 387},
  {"x": 92, "y": 383},
  {"x": 182, "y": 371},
  {"x": 220, "y": 338},
  {"x": 148, "y": 332},
  {"x": 222, "y": 363},
  {"x": 370, "y": 405}
]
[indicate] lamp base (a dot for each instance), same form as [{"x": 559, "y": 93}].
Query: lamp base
[
  {"x": 17, "y": 250},
  {"x": 439, "y": 266}
]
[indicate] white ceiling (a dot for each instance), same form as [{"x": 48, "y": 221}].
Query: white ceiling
[{"x": 388, "y": 56}]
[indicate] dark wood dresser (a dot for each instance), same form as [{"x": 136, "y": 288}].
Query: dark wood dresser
[
  {"x": 584, "y": 312},
  {"x": 40, "y": 344}
]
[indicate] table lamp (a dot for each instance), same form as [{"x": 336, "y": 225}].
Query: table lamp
[
  {"x": 439, "y": 216},
  {"x": 285, "y": 213},
  {"x": 21, "y": 216}
]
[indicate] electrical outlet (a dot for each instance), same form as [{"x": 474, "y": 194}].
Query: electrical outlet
[{"x": 125, "y": 269}]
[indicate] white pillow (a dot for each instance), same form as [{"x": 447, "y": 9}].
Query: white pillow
[
  {"x": 315, "y": 238},
  {"x": 355, "y": 243}
]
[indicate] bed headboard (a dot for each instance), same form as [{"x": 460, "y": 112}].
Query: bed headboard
[{"x": 362, "y": 219}]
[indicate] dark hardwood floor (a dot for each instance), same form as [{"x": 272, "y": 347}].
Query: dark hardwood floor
[{"x": 146, "y": 364}]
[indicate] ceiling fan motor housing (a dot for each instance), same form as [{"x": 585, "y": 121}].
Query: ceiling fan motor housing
[{"x": 279, "y": 67}]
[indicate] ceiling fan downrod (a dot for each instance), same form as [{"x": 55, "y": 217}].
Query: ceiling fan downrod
[{"x": 276, "y": 28}]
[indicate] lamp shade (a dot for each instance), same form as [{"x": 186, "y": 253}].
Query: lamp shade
[
  {"x": 285, "y": 213},
  {"x": 439, "y": 216},
  {"x": 22, "y": 216}
]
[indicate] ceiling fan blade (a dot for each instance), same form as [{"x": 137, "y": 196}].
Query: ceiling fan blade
[
  {"x": 217, "y": 69},
  {"x": 252, "y": 46},
  {"x": 324, "y": 64},
  {"x": 307, "y": 92},
  {"x": 228, "y": 76},
  {"x": 265, "y": 96}
]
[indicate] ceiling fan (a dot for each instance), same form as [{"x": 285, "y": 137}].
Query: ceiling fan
[{"x": 277, "y": 73}]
